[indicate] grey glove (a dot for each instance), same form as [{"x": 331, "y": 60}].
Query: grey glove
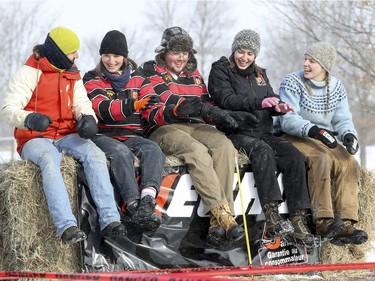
[
  {"x": 87, "y": 127},
  {"x": 38, "y": 122},
  {"x": 218, "y": 116}
]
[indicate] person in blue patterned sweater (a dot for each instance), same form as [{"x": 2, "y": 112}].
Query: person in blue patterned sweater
[{"x": 321, "y": 127}]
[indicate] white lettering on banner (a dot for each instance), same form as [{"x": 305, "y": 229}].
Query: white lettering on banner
[{"x": 185, "y": 197}]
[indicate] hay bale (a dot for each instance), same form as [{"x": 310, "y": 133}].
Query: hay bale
[
  {"x": 355, "y": 253},
  {"x": 28, "y": 234}
]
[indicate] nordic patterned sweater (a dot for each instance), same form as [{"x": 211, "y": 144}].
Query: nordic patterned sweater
[{"x": 312, "y": 108}]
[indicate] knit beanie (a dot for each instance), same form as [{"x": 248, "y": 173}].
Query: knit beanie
[
  {"x": 114, "y": 42},
  {"x": 65, "y": 39},
  {"x": 246, "y": 39},
  {"x": 324, "y": 53},
  {"x": 176, "y": 39}
]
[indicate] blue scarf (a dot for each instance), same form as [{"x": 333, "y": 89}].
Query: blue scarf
[
  {"x": 55, "y": 56},
  {"x": 118, "y": 81}
]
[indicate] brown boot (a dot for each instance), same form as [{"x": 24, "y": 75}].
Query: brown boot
[
  {"x": 328, "y": 228},
  {"x": 275, "y": 224},
  {"x": 216, "y": 234},
  {"x": 301, "y": 231},
  {"x": 350, "y": 235},
  {"x": 234, "y": 232}
]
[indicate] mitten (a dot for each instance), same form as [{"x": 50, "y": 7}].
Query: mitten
[
  {"x": 218, "y": 116},
  {"x": 188, "y": 107},
  {"x": 325, "y": 136},
  {"x": 87, "y": 127},
  {"x": 351, "y": 143},
  {"x": 270, "y": 102},
  {"x": 146, "y": 102},
  {"x": 283, "y": 107},
  {"x": 243, "y": 117},
  {"x": 38, "y": 122}
]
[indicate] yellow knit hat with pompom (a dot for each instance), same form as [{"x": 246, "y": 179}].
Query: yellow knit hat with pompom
[{"x": 66, "y": 39}]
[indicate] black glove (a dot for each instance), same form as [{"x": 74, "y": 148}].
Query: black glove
[
  {"x": 351, "y": 143},
  {"x": 325, "y": 136},
  {"x": 87, "y": 127},
  {"x": 244, "y": 117},
  {"x": 218, "y": 116},
  {"x": 190, "y": 107},
  {"x": 38, "y": 122}
]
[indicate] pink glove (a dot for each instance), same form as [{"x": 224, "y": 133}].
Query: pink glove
[
  {"x": 284, "y": 107},
  {"x": 270, "y": 102}
]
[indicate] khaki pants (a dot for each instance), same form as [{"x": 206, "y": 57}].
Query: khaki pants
[
  {"x": 337, "y": 199},
  {"x": 209, "y": 155}
]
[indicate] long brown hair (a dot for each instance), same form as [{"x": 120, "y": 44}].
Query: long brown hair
[{"x": 258, "y": 69}]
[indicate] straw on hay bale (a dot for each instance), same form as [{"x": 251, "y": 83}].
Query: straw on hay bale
[
  {"x": 355, "y": 253},
  {"x": 28, "y": 234}
]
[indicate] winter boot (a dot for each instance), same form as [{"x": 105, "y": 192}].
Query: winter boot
[
  {"x": 234, "y": 232},
  {"x": 328, "y": 228},
  {"x": 301, "y": 231},
  {"x": 275, "y": 224},
  {"x": 216, "y": 234},
  {"x": 132, "y": 207},
  {"x": 144, "y": 218},
  {"x": 114, "y": 229},
  {"x": 350, "y": 235},
  {"x": 73, "y": 235}
]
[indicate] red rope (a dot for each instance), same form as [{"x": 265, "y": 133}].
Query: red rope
[{"x": 188, "y": 274}]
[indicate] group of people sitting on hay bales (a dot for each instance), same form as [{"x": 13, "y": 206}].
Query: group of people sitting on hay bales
[{"x": 119, "y": 111}]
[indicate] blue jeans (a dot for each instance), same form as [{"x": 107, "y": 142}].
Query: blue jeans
[
  {"x": 122, "y": 154},
  {"x": 46, "y": 153}
]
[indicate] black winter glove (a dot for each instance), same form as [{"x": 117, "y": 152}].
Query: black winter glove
[
  {"x": 325, "y": 136},
  {"x": 244, "y": 117},
  {"x": 351, "y": 143},
  {"x": 87, "y": 127},
  {"x": 218, "y": 116},
  {"x": 190, "y": 107},
  {"x": 38, "y": 122}
]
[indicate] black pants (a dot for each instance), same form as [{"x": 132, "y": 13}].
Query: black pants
[{"x": 268, "y": 156}]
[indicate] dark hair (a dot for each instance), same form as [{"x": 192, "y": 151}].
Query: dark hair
[
  {"x": 127, "y": 62},
  {"x": 232, "y": 65}
]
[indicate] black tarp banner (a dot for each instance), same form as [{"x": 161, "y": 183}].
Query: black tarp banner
[{"x": 180, "y": 240}]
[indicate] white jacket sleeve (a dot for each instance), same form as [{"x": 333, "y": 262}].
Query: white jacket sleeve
[
  {"x": 81, "y": 103},
  {"x": 18, "y": 94}
]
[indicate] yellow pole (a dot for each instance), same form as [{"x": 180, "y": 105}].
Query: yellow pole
[{"x": 243, "y": 211}]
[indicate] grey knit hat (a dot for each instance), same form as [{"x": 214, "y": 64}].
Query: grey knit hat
[
  {"x": 324, "y": 53},
  {"x": 247, "y": 39},
  {"x": 176, "y": 39}
]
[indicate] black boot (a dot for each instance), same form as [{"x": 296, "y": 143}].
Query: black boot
[
  {"x": 73, "y": 235},
  {"x": 275, "y": 224},
  {"x": 216, "y": 234},
  {"x": 144, "y": 218},
  {"x": 350, "y": 235},
  {"x": 114, "y": 229},
  {"x": 328, "y": 228}
]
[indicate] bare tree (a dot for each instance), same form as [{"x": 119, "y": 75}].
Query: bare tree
[
  {"x": 350, "y": 26},
  {"x": 21, "y": 27},
  {"x": 210, "y": 29}
]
